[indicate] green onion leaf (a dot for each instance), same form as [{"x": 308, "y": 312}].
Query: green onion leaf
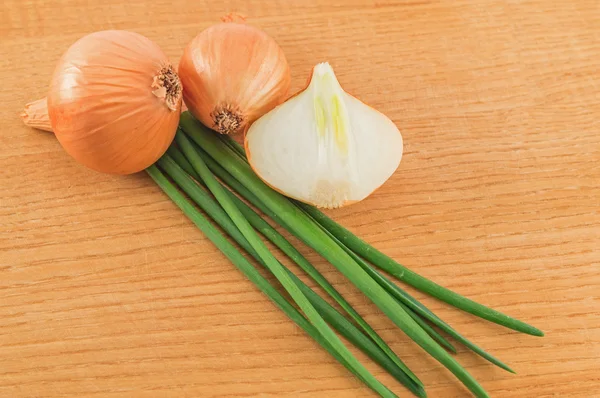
[
  {"x": 248, "y": 269},
  {"x": 389, "y": 265},
  {"x": 273, "y": 265},
  {"x": 412, "y": 303},
  {"x": 330, "y": 314},
  {"x": 309, "y": 232},
  {"x": 276, "y": 238}
]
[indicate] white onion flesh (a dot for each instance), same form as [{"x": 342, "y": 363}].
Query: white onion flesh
[{"x": 323, "y": 146}]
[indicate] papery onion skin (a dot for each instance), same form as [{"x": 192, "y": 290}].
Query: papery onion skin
[
  {"x": 232, "y": 74},
  {"x": 114, "y": 102}
]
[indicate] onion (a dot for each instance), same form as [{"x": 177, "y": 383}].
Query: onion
[
  {"x": 323, "y": 146},
  {"x": 233, "y": 73},
  {"x": 114, "y": 102}
]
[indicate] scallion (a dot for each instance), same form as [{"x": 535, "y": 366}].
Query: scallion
[
  {"x": 306, "y": 230},
  {"x": 274, "y": 266}
]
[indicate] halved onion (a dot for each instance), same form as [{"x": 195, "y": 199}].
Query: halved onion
[{"x": 323, "y": 146}]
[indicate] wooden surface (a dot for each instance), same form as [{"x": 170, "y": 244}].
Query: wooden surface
[{"x": 107, "y": 290}]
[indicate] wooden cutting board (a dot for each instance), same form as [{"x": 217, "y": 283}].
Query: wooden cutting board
[{"x": 107, "y": 290}]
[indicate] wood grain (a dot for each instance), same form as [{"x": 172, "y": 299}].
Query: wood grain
[{"x": 106, "y": 289}]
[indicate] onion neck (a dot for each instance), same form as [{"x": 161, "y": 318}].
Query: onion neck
[
  {"x": 36, "y": 115},
  {"x": 167, "y": 87},
  {"x": 233, "y": 17}
]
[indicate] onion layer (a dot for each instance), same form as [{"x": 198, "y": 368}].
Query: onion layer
[{"x": 323, "y": 146}]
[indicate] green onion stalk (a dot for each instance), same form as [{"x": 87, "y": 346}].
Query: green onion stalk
[
  {"x": 311, "y": 234},
  {"x": 201, "y": 153},
  {"x": 213, "y": 234},
  {"x": 302, "y": 224},
  {"x": 384, "y": 356},
  {"x": 396, "y": 269},
  {"x": 401, "y": 295},
  {"x": 276, "y": 267},
  {"x": 182, "y": 166}
]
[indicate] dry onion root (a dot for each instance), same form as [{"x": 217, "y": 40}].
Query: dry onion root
[
  {"x": 114, "y": 102},
  {"x": 232, "y": 74},
  {"x": 323, "y": 146}
]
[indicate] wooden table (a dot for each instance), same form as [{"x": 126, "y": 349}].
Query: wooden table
[{"x": 107, "y": 290}]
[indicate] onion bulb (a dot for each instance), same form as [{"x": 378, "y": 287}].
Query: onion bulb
[
  {"x": 233, "y": 73},
  {"x": 114, "y": 102},
  {"x": 323, "y": 146}
]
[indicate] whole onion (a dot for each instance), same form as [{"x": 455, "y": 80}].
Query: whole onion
[
  {"x": 114, "y": 102},
  {"x": 232, "y": 74}
]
